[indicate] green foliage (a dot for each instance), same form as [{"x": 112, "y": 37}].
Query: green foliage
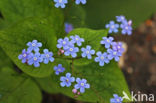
[
  {"x": 15, "y": 88},
  {"x": 13, "y": 41},
  {"x": 100, "y": 12},
  {"x": 105, "y": 81}
]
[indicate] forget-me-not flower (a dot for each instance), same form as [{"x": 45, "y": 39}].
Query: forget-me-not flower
[
  {"x": 114, "y": 54},
  {"x": 71, "y": 51},
  {"x": 120, "y": 18},
  {"x": 116, "y": 99},
  {"x": 59, "y": 69},
  {"x": 81, "y": 84},
  {"x": 35, "y": 59},
  {"x": 107, "y": 41},
  {"x": 87, "y": 52},
  {"x": 126, "y": 28},
  {"x": 112, "y": 27},
  {"x": 102, "y": 58},
  {"x": 76, "y": 39},
  {"x": 118, "y": 46},
  {"x": 47, "y": 56},
  {"x": 80, "y": 1},
  {"x": 63, "y": 43},
  {"x": 68, "y": 27},
  {"x": 34, "y": 45},
  {"x": 60, "y": 3},
  {"x": 24, "y": 56},
  {"x": 67, "y": 80}
]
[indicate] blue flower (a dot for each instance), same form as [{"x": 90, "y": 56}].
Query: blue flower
[
  {"x": 68, "y": 27},
  {"x": 118, "y": 46},
  {"x": 116, "y": 99},
  {"x": 71, "y": 51},
  {"x": 60, "y": 3},
  {"x": 81, "y": 84},
  {"x": 112, "y": 27},
  {"x": 24, "y": 56},
  {"x": 34, "y": 45},
  {"x": 47, "y": 56},
  {"x": 67, "y": 80},
  {"x": 101, "y": 58},
  {"x": 114, "y": 54},
  {"x": 59, "y": 69},
  {"x": 87, "y": 52},
  {"x": 63, "y": 43},
  {"x": 120, "y": 18},
  {"x": 76, "y": 39},
  {"x": 126, "y": 28},
  {"x": 35, "y": 59},
  {"x": 107, "y": 41},
  {"x": 80, "y": 1}
]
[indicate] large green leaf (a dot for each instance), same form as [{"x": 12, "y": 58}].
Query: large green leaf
[
  {"x": 13, "y": 40},
  {"x": 16, "y": 10},
  {"x": 15, "y": 88},
  {"x": 100, "y": 12},
  {"x": 105, "y": 81}
]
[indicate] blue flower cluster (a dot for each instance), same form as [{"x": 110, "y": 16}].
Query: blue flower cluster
[
  {"x": 126, "y": 26},
  {"x": 32, "y": 56},
  {"x": 62, "y": 3},
  {"x": 69, "y": 45},
  {"x": 67, "y": 80},
  {"x": 116, "y": 99}
]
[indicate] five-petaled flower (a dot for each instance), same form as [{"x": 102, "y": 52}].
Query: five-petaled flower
[
  {"x": 107, "y": 41},
  {"x": 76, "y": 39},
  {"x": 80, "y": 1},
  {"x": 71, "y": 51},
  {"x": 24, "y": 56},
  {"x": 120, "y": 18},
  {"x": 114, "y": 54},
  {"x": 67, "y": 80},
  {"x": 116, "y": 99},
  {"x": 87, "y": 52},
  {"x": 126, "y": 27},
  {"x": 47, "y": 56},
  {"x": 35, "y": 59},
  {"x": 60, "y": 3},
  {"x": 118, "y": 46},
  {"x": 81, "y": 84},
  {"x": 34, "y": 45},
  {"x": 63, "y": 43},
  {"x": 112, "y": 27},
  {"x": 68, "y": 27},
  {"x": 102, "y": 58},
  {"x": 59, "y": 69}
]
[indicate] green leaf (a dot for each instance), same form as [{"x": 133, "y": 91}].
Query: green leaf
[
  {"x": 16, "y": 10},
  {"x": 75, "y": 15},
  {"x": 91, "y": 37},
  {"x": 14, "y": 39},
  {"x": 102, "y": 11},
  {"x": 104, "y": 81},
  {"x": 15, "y": 88}
]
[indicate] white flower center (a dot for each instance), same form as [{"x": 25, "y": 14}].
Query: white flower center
[
  {"x": 47, "y": 55},
  {"x": 102, "y": 57},
  {"x": 87, "y": 52},
  {"x": 122, "y": 18},
  {"x": 64, "y": 42},
  {"x": 112, "y": 26},
  {"x": 33, "y": 44},
  {"x": 77, "y": 39},
  {"x": 24, "y": 55},
  {"x": 119, "y": 47},
  {"x": 60, "y": 1},
  {"x": 126, "y": 27},
  {"x": 117, "y": 100},
  {"x": 59, "y": 69},
  {"x": 71, "y": 49},
  {"x": 108, "y": 41},
  {"x": 67, "y": 80},
  {"x": 82, "y": 84},
  {"x": 35, "y": 58},
  {"x": 114, "y": 53}
]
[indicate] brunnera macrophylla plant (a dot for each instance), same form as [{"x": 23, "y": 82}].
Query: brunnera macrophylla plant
[{"x": 71, "y": 46}]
